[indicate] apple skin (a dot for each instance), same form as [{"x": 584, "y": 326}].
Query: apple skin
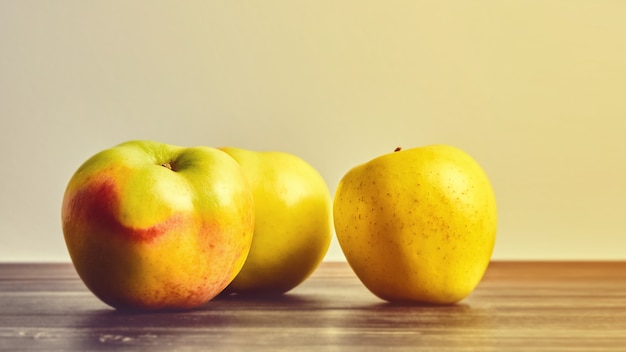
[
  {"x": 417, "y": 225},
  {"x": 143, "y": 236},
  {"x": 293, "y": 222}
]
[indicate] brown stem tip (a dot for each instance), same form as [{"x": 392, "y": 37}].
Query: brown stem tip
[
  {"x": 397, "y": 149},
  {"x": 167, "y": 166}
]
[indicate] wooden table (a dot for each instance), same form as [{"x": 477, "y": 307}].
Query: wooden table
[{"x": 519, "y": 306}]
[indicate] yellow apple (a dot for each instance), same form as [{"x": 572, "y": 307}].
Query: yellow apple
[
  {"x": 154, "y": 226},
  {"x": 293, "y": 221},
  {"x": 417, "y": 225}
]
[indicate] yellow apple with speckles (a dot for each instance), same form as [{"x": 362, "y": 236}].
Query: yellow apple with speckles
[
  {"x": 293, "y": 221},
  {"x": 152, "y": 226},
  {"x": 417, "y": 225}
]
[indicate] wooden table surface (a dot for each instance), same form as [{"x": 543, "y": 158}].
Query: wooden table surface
[{"x": 519, "y": 306}]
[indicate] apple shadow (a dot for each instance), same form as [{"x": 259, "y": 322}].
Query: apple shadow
[
  {"x": 223, "y": 320},
  {"x": 284, "y": 301},
  {"x": 459, "y": 306}
]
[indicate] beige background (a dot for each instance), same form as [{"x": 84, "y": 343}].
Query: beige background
[{"x": 534, "y": 90}]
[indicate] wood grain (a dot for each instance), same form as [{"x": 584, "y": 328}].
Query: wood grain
[{"x": 519, "y": 306}]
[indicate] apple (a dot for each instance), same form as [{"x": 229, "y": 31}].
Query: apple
[
  {"x": 152, "y": 226},
  {"x": 417, "y": 225},
  {"x": 293, "y": 221}
]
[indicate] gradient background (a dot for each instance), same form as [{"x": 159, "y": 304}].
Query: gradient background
[{"x": 534, "y": 90}]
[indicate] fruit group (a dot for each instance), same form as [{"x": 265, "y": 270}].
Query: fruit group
[
  {"x": 417, "y": 225},
  {"x": 154, "y": 226},
  {"x": 293, "y": 225}
]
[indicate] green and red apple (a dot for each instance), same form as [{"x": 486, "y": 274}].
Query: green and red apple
[
  {"x": 154, "y": 226},
  {"x": 293, "y": 225},
  {"x": 417, "y": 225}
]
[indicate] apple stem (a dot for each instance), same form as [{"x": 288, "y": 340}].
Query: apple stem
[
  {"x": 397, "y": 149},
  {"x": 167, "y": 166}
]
